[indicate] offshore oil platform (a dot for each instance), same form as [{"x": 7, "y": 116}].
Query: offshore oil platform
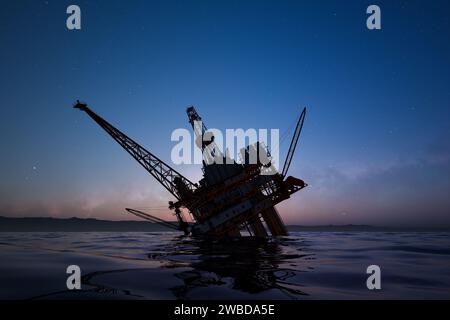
[{"x": 230, "y": 198}]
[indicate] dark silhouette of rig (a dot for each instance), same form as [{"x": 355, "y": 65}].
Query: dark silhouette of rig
[{"x": 230, "y": 197}]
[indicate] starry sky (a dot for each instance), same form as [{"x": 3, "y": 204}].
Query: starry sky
[{"x": 375, "y": 148}]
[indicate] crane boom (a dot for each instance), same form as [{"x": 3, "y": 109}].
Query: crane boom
[
  {"x": 173, "y": 181},
  {"x": 194, "y": 118},
  {"x": 293, "y": 145},
  {"x": 153, "y": 219},
  {"x": 200, "y": 131}
]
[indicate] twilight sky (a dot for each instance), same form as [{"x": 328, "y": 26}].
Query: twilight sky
[{"x": 375, "y": 147}]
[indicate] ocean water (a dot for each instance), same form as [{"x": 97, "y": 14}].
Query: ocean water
[{"x": 165, "y": 265}]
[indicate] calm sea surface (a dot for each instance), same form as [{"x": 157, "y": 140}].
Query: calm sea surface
[{"x": 163, "y": 265}]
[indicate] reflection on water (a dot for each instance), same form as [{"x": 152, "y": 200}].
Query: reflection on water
[
  {"x": 249, "y": 265},
  {"x": 167, "y": 266}
]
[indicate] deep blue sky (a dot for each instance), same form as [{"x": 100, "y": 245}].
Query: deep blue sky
[{"x": 375, "y": 147}]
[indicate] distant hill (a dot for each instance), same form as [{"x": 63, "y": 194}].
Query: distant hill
[
  {"x": 75, "y": 225},
  {"x": 365, "y": 228},
  {"x": 95, "y": 225}
]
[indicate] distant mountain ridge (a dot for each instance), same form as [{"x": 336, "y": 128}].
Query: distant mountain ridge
[
  {"x": 76, "y": 225},
  {"x": 45, "y": 224},
  {"x": 365, "y": 228}
]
